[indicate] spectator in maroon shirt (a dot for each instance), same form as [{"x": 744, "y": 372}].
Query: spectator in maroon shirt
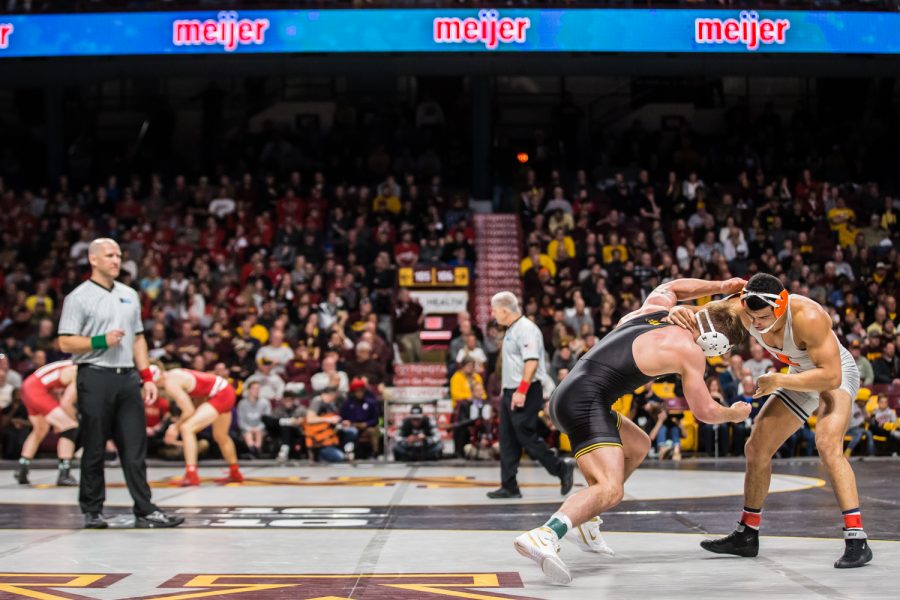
[
  {"x": 302, "y": 367},
  {"x": 380, "y": 280},
  {"x": 381, "y": 351},
  {"x": 129, "y": 210},
  {"x": 406, "y": 252},
  {"x": 188, "y": 344},
  {"x": 212, "y": 237},
  {"x": 366, "y": 367},
  {"x": 408, "y": 320}
]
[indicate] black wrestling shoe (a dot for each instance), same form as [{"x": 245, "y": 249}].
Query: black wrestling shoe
[
  {"x": 743, "y": 541},
  {"x": 64, "y": 479},
  {"x": 504, "y": 494},
  {"x": 567, "y": 477},
  {"x": 856, "y": 553},
  {"x": 95, "y": 521},
  {"x": 157, "y": 520},
  {"x": 22, "y": 475}
]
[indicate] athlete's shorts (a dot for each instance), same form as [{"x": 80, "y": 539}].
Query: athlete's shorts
[
  {"x": 223, "y": 401},
  {"x": 37, "y": 400},
  {"x": 579, "y": 407},
  {"x": 805, "y": 404}
]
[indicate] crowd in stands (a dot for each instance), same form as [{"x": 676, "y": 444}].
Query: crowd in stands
[
  {"x": 594, "y": 250},
  {"x": 285, "y": 287},
  {"x": 284, "y": 281}
]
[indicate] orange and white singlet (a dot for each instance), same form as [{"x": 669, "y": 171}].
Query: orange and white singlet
[{"x": 804, "y": 404}]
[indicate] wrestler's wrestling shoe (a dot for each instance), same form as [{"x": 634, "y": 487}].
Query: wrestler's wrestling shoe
[
  {"x": 588, "y": 539},
  {"x": 857, "y": 551},
  {"x": 22, "y": 475},
  {"x": 65, "y": 479},
  {"x": 743, "y": 541},
  {"x": 191, "y": 478},
  {"x": 542, "y": 546},
  {"x": 234, "y": 476}
]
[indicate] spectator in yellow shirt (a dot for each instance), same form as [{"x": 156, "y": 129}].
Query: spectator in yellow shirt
[
  {"x": 889, "y": 218},
  {"x": 464, "y": 382},
  {"x": 560, "y": 219},
  {"x": 561, "y": 239},
  {"x": 40, "y": 303},
  {"x": 386, "y": 200},
  {"x": 613, "y": 245},
  {"x": 841, "y": 219},
  {"x": 536, "y": 259}
]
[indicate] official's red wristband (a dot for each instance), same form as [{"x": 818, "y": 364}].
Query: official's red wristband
[
  {"x": 523, "y": 387},
  {"x": 146, "y": 375}
]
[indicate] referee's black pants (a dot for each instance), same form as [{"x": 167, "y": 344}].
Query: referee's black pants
[
  {"x": 111, "y": 406},
  {"x": 518, "y": 431}
]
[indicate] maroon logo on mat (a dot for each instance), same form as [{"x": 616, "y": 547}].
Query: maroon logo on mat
[{"x": 400, "y": 586}]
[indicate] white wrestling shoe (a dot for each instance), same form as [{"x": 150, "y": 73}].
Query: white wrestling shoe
[
  {"x": 588, "y": 539},
  {"x": 541, "y": 546}
]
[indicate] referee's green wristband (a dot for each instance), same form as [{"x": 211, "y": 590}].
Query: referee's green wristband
[{"x": 98, "y": 342}]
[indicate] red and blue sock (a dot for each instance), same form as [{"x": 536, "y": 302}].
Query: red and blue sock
[
  {"x": 853, "y": 527},
  {"x": 751, "y": 517}
]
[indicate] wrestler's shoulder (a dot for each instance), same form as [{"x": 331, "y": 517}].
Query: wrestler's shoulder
[
  {"x": 807, "y": 313},
  {"x": 802, "y": 305}
]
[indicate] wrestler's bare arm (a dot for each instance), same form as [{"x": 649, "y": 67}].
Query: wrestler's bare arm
[
  {"x": 68, "y": 375},
  {"x": 683, "y": 314},
  {"x": 682, "y": 290},
  {"x": 174, "y": 389},
  {"x": 702, "y": 404},
  {"x": 812, "y": 327},
  {"x": 668, "y": 295}
]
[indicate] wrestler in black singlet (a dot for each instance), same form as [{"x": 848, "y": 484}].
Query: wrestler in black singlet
[{"x": 581, "y": 407}]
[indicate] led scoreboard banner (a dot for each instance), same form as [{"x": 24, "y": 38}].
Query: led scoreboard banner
[{"x": 439, "y": 31}]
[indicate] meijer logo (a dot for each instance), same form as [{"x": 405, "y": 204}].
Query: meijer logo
[
  {"x": 748, "y": 29},
  {"x": 228, "y": 31},
  {"x": 488, "y": 29}
]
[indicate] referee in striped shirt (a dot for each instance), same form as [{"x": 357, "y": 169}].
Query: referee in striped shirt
[
  {"x": 524, "y": 367},
  {"x": 101, "y": 327}
]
